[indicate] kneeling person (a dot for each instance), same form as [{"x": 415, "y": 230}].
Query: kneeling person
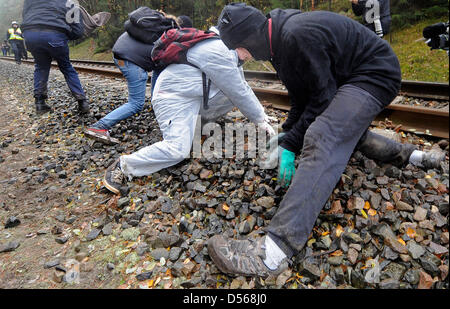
[{"x": 177, "y": 103}]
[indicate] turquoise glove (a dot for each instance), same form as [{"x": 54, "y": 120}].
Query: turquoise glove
[{"x": 287, "y": 167}]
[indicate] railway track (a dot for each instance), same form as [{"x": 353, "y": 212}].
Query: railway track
[{"x": 414, "y": 119}]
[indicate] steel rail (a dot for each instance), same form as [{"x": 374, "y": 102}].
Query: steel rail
[{"x": 419, "y": 120}]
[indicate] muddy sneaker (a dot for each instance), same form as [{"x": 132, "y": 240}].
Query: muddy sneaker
[
  {"x": 241, "y": 257},
  {"x": 100, "y": 136},
  {"x": 433, "y": 158},
  {"x": 114, "y": 178}
]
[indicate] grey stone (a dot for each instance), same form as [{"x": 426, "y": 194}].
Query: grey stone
[
  {"x": 412, "y": 276},
  {"x": 107, "y": 229},
  {"x": 175, "y": 253},
  {"x": 394, "y": 271},
  {"x": 158, "y": 253},
  {"x": 335, "y": 260},
  {"x": 415, "y": 250},
  {"x": 12, "y": 222},
  {"x": 389, "y": 283},
  {"x": 51, "y": 264},
  {"x": 352, "y": 238},
  {"x": 420, "y": 214},
  {"x": 310, "y": 270},
  {"x": 93, "y": 234},
  {"x": 402, "y": 206},
  {"x": 438, "y": 249},
  {"x": 123, "y": 202}
]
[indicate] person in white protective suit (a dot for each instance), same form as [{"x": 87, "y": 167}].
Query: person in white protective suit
[{"x": 177, "y": 103}]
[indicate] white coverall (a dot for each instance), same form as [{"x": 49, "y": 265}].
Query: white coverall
[{"x": 178, "y": 100}]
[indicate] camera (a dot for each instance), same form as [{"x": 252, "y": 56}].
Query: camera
[{"x": 437, "y": 36}]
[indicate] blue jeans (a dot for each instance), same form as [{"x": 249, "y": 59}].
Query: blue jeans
[
  {"x": 155, "y": 75},
  {"x": 16, "y": 50},
  {"x": 137, "y": 83},
  {"x": 48, "y": 46}
]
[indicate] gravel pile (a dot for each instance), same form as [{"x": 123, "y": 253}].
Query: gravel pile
[{"x": 383, "y": 227}]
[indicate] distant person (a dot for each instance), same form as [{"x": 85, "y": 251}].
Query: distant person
[
  {"x": 15, "y": 38},
  {"x": 376, "y": 14},
  {"x": 133, "y": 58},
  {"x": 47, "y": 30},
  {"x": 5, "y": 48}
]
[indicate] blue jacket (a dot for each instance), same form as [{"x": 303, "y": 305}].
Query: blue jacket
[{"x": 54, "y": 15}]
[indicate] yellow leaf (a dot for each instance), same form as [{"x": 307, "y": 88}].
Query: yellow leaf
[
  {"x": 401, "y": 241},
  {"x": 325, "y": 233},
  {"x": 339, "y": 230},
  {"x": 150, "y": 283},
  {"x": 364, "y": 214},
  {"x": 366, "y": 205},
  {"x": 337, "y": 253},
  {"x": 372, "y": 212},
  {"x": 411, "y": 233}
]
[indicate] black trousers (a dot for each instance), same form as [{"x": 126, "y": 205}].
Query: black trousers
[{"x": 328, "y": 145}]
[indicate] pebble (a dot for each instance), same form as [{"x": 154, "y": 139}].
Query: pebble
[
  {"x": 12, "y": 222},
  {"x": 420, "y": 214},
  {"x": 10, "y": 246}
]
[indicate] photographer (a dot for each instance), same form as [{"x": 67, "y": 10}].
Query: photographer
[
  {"x": 376, "y": 14},
  {"x": 437, "y": 36}
]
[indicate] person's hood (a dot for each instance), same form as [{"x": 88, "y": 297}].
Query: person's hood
[
  {"x": 279, "y": 18},
  {"x": 241, "y": 25}
]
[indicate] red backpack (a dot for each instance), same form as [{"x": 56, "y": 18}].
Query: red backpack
[{"x": 172, "y": 47}]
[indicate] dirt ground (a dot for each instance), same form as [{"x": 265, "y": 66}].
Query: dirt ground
[{"x": 39, "y": 206}]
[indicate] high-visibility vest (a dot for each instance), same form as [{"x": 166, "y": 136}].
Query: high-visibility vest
[{"x": 13, "y": 35}]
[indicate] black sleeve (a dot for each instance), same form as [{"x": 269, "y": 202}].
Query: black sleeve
[
  {"x": 359, "y": 8},
  {"x": 294, "y": 113},
  {"x": 312, "y": 65}
]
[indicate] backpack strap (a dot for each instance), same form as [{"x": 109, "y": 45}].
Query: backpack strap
[{"x": 206, "y": 91}]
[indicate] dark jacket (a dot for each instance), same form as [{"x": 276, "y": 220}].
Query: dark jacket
[
  {"x": 51, "y": 14},
  {"x": 360, "y": 9},
  {"x": 127, "y": 48},
  {"x": 315, "y": 53}
]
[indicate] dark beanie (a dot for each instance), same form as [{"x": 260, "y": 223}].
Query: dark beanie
[
  {"x": 241, "y": 25},
  {"x": 185, "y": 21}
]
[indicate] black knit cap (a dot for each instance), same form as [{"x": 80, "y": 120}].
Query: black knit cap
[
  {"x": 185, "y": 21},
  {"x": 241, "y": 25}
]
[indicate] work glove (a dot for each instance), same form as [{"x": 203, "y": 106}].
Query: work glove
[
  {"x": 287, "y": 167},
  {"x": 268, "y": 127},
  {"x": 275, "y": 141}
]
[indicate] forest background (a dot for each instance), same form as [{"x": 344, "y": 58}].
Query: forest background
[{"x": 409, "y": 17}]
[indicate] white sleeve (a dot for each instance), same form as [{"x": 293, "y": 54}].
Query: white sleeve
[{"x": 221, "y": 66}]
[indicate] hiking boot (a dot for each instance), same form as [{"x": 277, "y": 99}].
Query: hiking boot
[
  {"x": 41, "y": 107},
  {"x": 114, "y": 178},
  {"x": 433, "y": 158},
  {"x": 241, "y": 257},
  {"x": 83, "y": 106},
  {"x": 100, "y": 135}
]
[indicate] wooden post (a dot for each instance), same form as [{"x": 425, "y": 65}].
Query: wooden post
[{"x": 312, "y": 5}]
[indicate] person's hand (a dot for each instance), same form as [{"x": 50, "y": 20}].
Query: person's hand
[
  {"x": 268, "y": 128},
  {"x": 287, "y": 167}
]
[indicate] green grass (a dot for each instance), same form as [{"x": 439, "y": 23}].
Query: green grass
[
  {"x": 86, "y": 50},
  {"x": 417, "y": 61}
]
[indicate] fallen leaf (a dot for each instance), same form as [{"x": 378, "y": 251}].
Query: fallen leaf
[
  {"x": 401, "y": 241},
  {"x": 339, "y": 230},
  {"x": 372, "y": 212},
  {"x": 366, "y": 205},
  {"x": 364, "y": 214},
  {"x": 337, "y": 253},
  {"x": 411, "y": 233}
]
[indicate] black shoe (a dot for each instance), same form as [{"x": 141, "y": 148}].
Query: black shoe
[
  {"x": 114, "y": 178},
  {"x": 83, "y": 106},
  {"x": 41, "y": 107}
]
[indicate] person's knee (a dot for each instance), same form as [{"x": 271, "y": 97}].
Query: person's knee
[{"x": 179, "y": 149}]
